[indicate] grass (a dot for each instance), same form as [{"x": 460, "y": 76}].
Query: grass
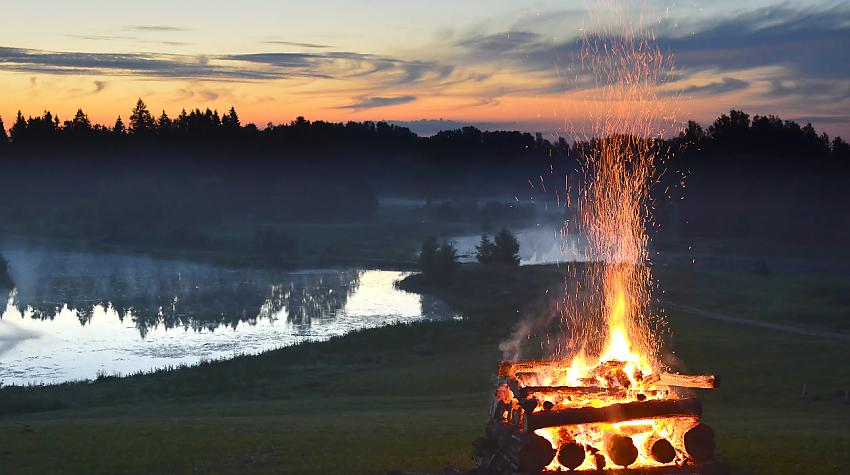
[
  {"x": 415, "y": 396},
  {"x": 814, "y": 300}
]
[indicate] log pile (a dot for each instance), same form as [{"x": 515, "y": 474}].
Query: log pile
[{"x": 611, "y": 424}]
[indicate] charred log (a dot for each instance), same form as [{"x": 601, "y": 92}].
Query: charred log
[
  {"x": 571, "y": 455},
  {"x": 614, "y": 413},
  {"x": 527, "y": 452},
  {"x": 660, "y": 449},
  {"x": 621, "y": 450},
  {"x": 699, "y": 443}
]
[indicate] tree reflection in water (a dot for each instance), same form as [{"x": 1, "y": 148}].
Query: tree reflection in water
[{"x": 152, "y": 293}]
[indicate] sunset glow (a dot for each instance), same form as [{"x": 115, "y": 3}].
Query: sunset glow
[{"x": 494, "y": 66}]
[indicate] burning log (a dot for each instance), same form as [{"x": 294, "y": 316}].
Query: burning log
[
  {"x": 573, "y": 391},
  {"x": 526, "y": 451},
  {"x": 510, "y": 368},
  {"x": 699, "y": 443},
  {"x": 699, "y": 381},
  {"x": 614, "y": 413},
  {"x": 660, "y": 449},
  {"x": 571, "y": 455},
  {"x": 621, "y": 450}
]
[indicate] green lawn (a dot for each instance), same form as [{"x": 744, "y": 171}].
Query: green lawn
[{"x": 415, "y": 397}]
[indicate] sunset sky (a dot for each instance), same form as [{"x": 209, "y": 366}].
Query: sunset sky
[{"x": 434, "y": 64}]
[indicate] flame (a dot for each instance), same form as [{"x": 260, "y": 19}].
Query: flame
[{"x": 607, "y": 316}]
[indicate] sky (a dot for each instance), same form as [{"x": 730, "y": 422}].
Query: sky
[{"x": 426, "y": 64}]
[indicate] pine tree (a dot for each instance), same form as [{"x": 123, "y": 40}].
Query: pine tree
[
  {"x": 165, "y": 123},
  {"x": 3, "y": 137},
  {"x": 118, "y": 128},
  {"x": 19, "y": 128},
  {"x": 80, "y": 122},
  {"x": 141, "y": 120}
]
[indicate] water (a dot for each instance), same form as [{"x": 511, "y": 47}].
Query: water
[
  {"x": 75, "y": 315},
  {"x": 537, "y": 245}
]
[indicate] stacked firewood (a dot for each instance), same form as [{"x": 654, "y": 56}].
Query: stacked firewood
[{"x": 513, "y": 445}]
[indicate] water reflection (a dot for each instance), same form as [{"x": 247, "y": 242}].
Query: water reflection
[{"x": 74, "y": 314}]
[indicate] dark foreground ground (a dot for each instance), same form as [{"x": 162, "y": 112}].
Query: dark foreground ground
[{"x": 415, "y": 397}]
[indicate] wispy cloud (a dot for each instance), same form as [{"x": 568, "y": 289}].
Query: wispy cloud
[
  {"x": 297, "y": 44},
  {"x": 727, "y": 84},
  {"x": 156, "y": 28},
  {"x": 362, "y": 103},
  {"x": 99, "y": 86}
]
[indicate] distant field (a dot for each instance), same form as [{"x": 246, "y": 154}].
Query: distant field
[{"x": 415, "y": 397}]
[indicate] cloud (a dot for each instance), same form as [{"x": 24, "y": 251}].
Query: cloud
[
  {"x": 727, "y": 84},
  {"x": 127, "y": 64},
  {"x": 808, "y": 42},
  {"x": 208, "y": 95},
  {"x": 155, "y": 28},
  {"x": 300, "y": 45},
  {"x": 99, "y": 86},
  {"x": 101, "y": 37},
  {"x": 362, "y": 103}
]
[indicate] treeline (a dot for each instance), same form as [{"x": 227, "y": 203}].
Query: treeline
[
  {"x": 158, "y": 176},
  {"x": 761, "y": 135},
  {"x": 209, "y": 129}
]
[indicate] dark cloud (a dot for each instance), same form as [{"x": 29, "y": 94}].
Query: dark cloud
[
  {"x": 99, "y": 86},
  {"x": 809, "y": 43},
  {"x": 362, "y": 103},
  {"x": 727, "y": 84},
  {"x": 824, "y": 119},
  {"x": 297, "y": 44},
  {"x": 133, "y": 64},
  {"x": 810, "y": 46}
]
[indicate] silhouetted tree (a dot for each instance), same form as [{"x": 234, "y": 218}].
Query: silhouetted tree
[
  {"x": 19, "y": 128},
  {"x": 118, "y": 128},
  {"x": 3, "y": 137},
  {"x": 507, "y": 248},
  {"x": 840, "y": 149},
  {"x": 230, "y": 120},
  {"x": 164, "y": 124},
  {"x": 502, "y": 251},
  {"x": 485, "y": 251},
  {"x": 80, "y": 125},
  {"x": 141, "y": 120},
  {"x": 439, "y": 262}
]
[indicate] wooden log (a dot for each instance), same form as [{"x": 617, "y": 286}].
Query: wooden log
[
  {"x": 698, "y": 381},
  {"x": 660, "y": 449},
  {"x": 571, "y": 455},
  {"x": 699, "y": 443},
  {"x": 613, "y": 413},
  {"x": 510, "y": 368},
  {"x": 573, "y": 391},
  {"x": 528, "y": 452},
  {"x": 621, "y": 450}
]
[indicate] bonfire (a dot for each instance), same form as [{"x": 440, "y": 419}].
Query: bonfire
[{"x": 603, "y": 400}]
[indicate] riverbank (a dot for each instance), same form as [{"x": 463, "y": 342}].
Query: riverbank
[{"x": 415, "y": 396}]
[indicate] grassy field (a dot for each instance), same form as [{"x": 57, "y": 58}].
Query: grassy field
[{"x": 415, "y": 397}]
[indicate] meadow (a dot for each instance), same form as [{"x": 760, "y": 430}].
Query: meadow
[{"x": 415, "y": 397}]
